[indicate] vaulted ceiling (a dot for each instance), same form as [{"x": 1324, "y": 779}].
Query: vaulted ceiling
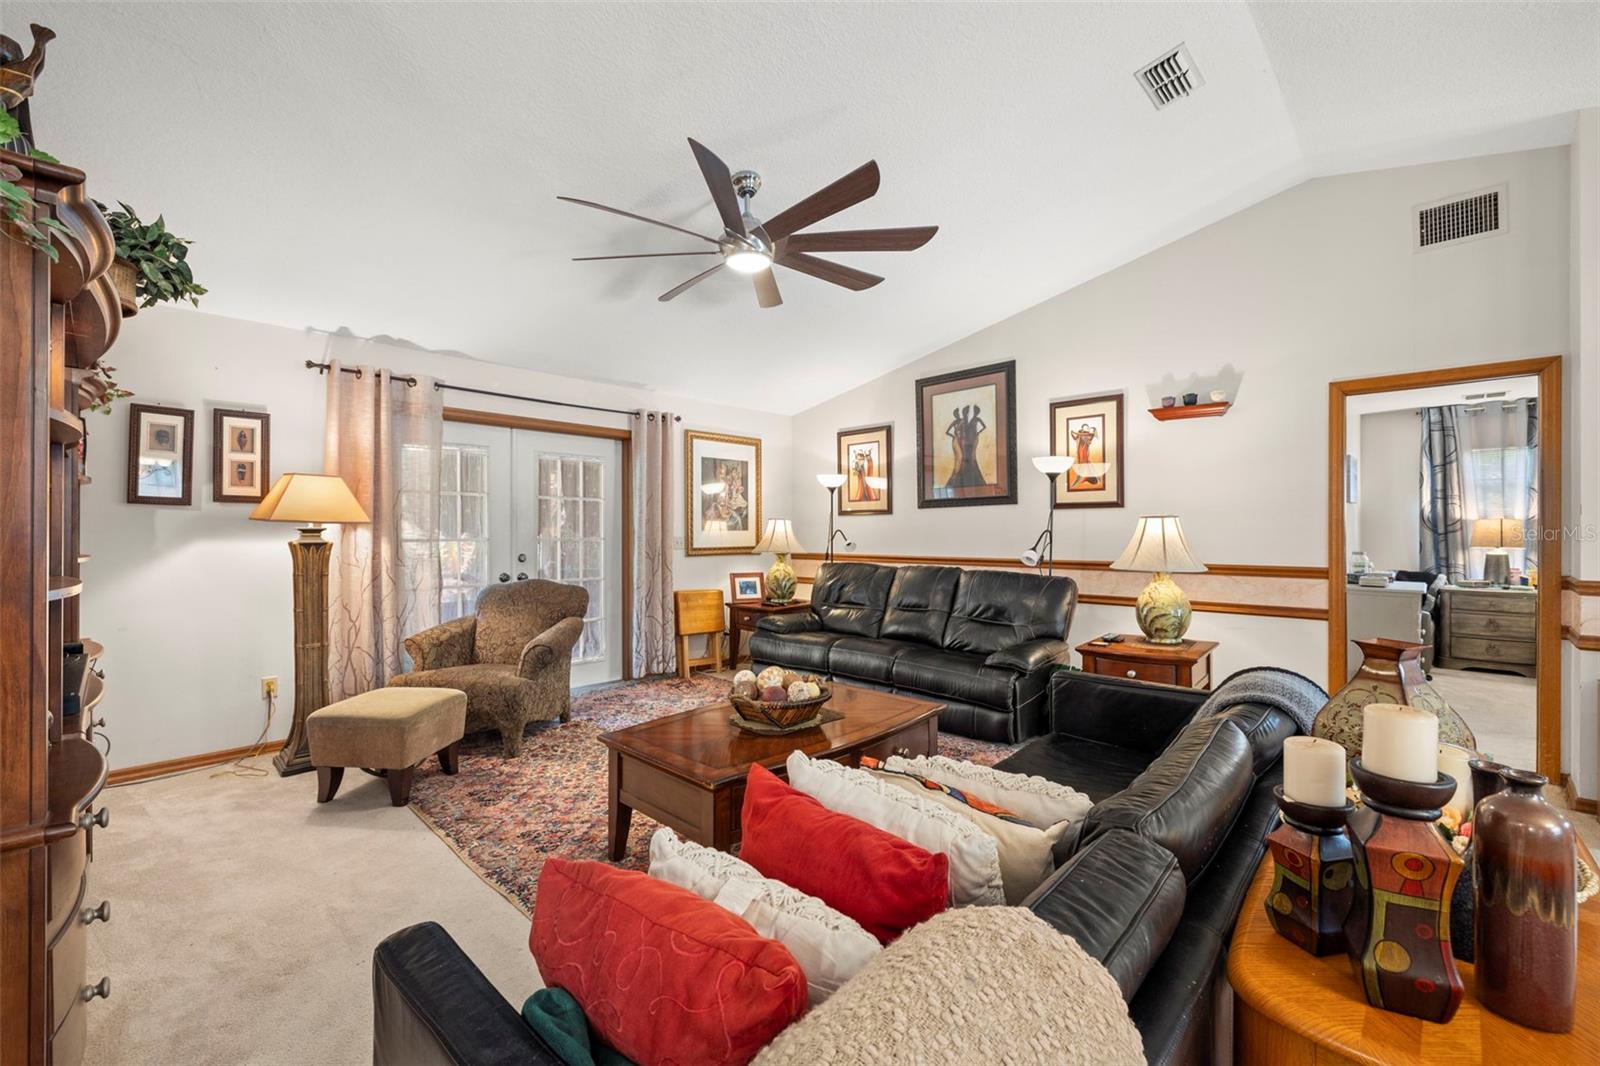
[{"x": 393, "y": 168}]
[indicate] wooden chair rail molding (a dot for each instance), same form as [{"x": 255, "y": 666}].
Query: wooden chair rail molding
[{"x": 1578, "y": 585}]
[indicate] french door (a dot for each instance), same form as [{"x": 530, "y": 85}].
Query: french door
[{"x": 516, "y": 504}]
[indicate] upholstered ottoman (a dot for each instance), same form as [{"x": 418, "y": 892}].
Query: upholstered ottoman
[{"x": 389, "y": 729}]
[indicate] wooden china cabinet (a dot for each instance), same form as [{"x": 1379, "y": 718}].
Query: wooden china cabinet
[{"x": 56, "y": 320}]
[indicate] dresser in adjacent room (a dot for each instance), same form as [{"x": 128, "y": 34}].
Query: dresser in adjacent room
[
  {"x": 57, "y": 318},
  {"x": 1492, "y": 628}
]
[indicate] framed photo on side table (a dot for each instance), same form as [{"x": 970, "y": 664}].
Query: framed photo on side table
[
  {"x": 747, "y": 587},
  {"x": 160, "y": 455},
  {"x": 1090, "y": 431},
  {"x": 722, "y": 494},
  {"x": 865, "y": 456},
  {"x": 967, "y": 437},
  {"x": 240, "y": 455}
]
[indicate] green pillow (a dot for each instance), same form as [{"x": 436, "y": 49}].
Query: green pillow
[{"x": 559, "y": 1021}]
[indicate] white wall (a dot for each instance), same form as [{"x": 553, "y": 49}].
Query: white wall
[
  {"x": 1390, "y": 507},
  {"x": 194, "y": 603},
  {"x": 1317, "y": 283}
]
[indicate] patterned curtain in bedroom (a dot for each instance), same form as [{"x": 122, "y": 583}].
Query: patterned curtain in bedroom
[
  {"x": 1445, "y": 533},
  {"x": 654, "y": 649}
]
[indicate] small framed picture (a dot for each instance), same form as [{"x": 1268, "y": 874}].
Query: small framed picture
[
  {"x": 1090, "y": 431},
  {"x": 240, "y": 455},
  {"x": 160, "y": 455},
  {"x": 864, "y": 458},
  {"x": 747, "y": 588}
]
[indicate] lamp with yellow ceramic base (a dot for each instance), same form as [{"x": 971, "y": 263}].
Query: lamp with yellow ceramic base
[
  {"x": 779, "y": 539},
  {"x": 1158, "y": 548}
]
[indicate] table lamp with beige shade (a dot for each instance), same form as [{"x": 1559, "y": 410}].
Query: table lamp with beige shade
[
  {"x": 779, "y": 539},
  {"x": 1497, "y": 534},
  {"x": 310, "y": 500},
  {"x": 1158, "y": 548}
]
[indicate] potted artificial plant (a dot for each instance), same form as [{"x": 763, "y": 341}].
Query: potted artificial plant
[{"x": 152, "y": 262}]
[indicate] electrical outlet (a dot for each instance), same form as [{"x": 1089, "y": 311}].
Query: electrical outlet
[{"x": 269, "y": 687}]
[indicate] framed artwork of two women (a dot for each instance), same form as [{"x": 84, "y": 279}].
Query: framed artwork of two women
[
  {"x": 967, "y": 437},
  {"x": 864, "y": 458}
]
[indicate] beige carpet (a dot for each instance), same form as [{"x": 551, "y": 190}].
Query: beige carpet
[
  {"x": 244, "y": 915},
  {"x": 1500, "y": 708}
]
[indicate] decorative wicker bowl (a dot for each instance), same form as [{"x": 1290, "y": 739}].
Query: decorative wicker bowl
[{"x": 783, "y": 713}]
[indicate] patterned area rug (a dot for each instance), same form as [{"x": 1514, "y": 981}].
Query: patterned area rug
[{"x": 505, "y": 817}]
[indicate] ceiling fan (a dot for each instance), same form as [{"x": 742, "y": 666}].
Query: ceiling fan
[{"x": 750, "y": 246}]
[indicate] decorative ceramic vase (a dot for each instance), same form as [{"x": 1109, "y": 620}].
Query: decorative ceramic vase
[
  {"x": 1526, "y": 929},
  {"x": 1313, "y": 875},
  {"x": 1487, "y": 779},
  {"x": 1398, "y": 928},
  {"x": 1190, "y": 399},
  {"x": 1169, "y": 401},
  {"x": 1163, "y": 611},
  {"x": 1391, "y": 672},
  {"x": 780, "y": 580}
]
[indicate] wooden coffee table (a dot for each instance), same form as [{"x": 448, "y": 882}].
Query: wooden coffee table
[{"x": 687, "y": 770}]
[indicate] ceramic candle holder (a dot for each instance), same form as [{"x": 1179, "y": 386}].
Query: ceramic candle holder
[
  {"x": 1313, "y": 875},
  {"x": 1398, "y": 930}
]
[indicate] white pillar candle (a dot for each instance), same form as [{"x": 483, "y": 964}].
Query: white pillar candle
[
  {"x": 1313, "y": 771},
  {"x": 1400, "y": 742},
  {"x": 1453, "y": 761}
]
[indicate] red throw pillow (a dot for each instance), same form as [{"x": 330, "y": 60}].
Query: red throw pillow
[
  {"x": 662, "y": 975},
  {"x": 885, "y": 883}
]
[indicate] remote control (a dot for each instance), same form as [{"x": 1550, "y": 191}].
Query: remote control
[{"x": 1111, "y": 638}]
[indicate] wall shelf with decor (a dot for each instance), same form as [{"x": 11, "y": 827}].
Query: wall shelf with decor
[
  {"x": 1193, "y": 410},
  {"x": 65, "y": 427}
]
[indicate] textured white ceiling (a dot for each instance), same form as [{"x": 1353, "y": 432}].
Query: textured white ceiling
[{"x": 393, "y": 169}]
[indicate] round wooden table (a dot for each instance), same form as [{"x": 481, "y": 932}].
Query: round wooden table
[{"x": 1293, "y": 1009}]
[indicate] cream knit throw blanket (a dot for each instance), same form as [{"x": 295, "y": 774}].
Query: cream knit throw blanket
[{"x": 974, "y": 985}]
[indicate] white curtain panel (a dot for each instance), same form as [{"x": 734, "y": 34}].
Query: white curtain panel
[
  {"x": 1499, "y": 445},
  {"x": 384, "y": 438},
  {"x": 654, "y": 649}
]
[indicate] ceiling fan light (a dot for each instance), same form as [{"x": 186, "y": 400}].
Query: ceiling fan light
[{"x": 748, "y": 261}]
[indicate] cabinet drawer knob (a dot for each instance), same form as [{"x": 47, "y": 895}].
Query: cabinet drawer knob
[
  {"x": 102, "y": 913},
  {"x": 904, "y": 753},
  {"x": 101, "y": 818},
  {"x": 101, "y": 990},
  {"x": 1133, "y": 673}
]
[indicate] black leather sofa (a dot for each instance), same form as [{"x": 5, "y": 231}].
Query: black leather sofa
[
  {"x": 1151, "y": 884},
  {"x": 982, "y": 642}
]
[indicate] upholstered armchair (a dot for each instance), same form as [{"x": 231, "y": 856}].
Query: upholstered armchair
[{"x": 513, "y": 660}]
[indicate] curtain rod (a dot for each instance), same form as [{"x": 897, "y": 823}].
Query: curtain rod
[{"x": 323, "y": 368}]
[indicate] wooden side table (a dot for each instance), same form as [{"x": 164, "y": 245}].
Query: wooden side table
[
  {"x": 1187, "y": 664},
  {"x": 744, "y": 616},
  {"x": 1292, "y": 1009}
]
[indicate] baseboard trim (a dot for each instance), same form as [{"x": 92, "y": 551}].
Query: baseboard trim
[
  {"x": 1575, "y": 801},
  {"x": 127, "y": 775}
]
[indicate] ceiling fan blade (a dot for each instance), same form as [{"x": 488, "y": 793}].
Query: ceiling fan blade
[
  {"x": 691, "y": 283},
  {"x": 848, "y": 191},
  {"x": 766, "y": 288},
  {"x": 637, "y": 218},
  {"x": 828, "y": 270},
  {"x": 635, "y": 255},
  {"x": 720, "y": 182},
  {"x": 903, "y": 239}
]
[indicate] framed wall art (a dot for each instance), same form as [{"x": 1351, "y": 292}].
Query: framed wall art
[
  {"x": 160, "y": 455},
  {"x": 722, "y": 493},
  {"x": 865, "y": 456},
  {"x": 1089, "y": 430},
  {"x": 748, "y": 587},
  {"x": 967, "y": 437},
  {"x": 240, "y": 455}
]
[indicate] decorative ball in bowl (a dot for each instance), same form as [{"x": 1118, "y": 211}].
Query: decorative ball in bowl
[{"x": 778, "y": 697}]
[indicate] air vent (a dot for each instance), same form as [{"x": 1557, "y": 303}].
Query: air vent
[
  {"x": 1170, "y": 78},
  {"x": 1461, "y": 218}
]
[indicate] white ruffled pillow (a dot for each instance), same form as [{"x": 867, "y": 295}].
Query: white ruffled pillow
[
  {"x": 974, "y": 855},
  {"x": 1035, "y": 799},
  {"x": 830, "y": 947}
]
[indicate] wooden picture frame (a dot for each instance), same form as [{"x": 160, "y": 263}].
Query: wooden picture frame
[
  {"x": 160, "y": 455},
  {"x": 721, "y": 494},
  {"x": 739, "y": 585},
  {"x": 241, "y": 455},
  {"x": 1091, "y": 430},
  {"x": 864, "y": 455},
  {"x": 964, "y": 460}
]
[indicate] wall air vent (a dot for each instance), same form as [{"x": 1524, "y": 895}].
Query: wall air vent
[
  {"x": 1170, "y": 78},
  {"x": 1460, "y": 218}
]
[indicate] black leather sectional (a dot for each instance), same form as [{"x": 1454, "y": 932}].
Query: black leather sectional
[
  {"x": 982, "y": 642},
  {"x": 1151, "y": 884}
]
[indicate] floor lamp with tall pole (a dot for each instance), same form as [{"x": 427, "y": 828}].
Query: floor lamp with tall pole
[
  {"x": 831, "y": 482},
  {"x": 309, "y": 499},
  {"x": 1044, "y": 545}
]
